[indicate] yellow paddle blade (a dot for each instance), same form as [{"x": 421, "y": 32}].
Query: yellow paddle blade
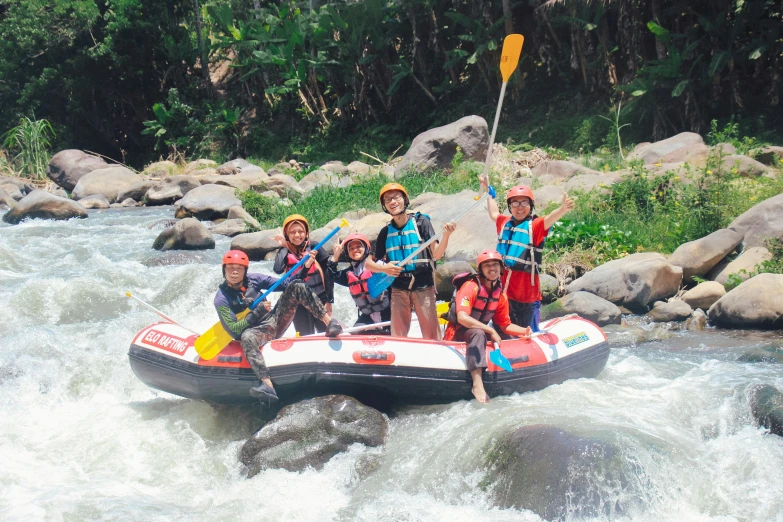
[
  {"x": 509, "y": 58},
  {"x": 344, "y": 223},
  {"x": 442, "y": 308},
  {"x": 212, "y": 342}
]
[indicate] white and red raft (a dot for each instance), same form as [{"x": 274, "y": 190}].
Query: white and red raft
[{"x": 374, "y": 369}]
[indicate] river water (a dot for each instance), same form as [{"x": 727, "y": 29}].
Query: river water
[{"x": 82, "y": 439}]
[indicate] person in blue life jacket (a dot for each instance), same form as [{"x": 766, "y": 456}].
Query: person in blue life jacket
[
  {"x": 521, "y": 238},
  {"x": 355, "y": 249},
  {"x": 295, "y": 243},
  {"x": 264, "y": 323},
  {"x": 414, "y": 283}
]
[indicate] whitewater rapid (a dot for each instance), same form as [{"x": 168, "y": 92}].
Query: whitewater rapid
[{"x": 82, "y": 439}]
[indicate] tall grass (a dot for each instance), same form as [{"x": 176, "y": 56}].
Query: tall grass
[{"x": 30, "y": 142}]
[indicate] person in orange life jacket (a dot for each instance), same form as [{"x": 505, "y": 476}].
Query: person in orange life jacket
[
  {"x": 414, "y": 283},
  {"x": 263, "y": 323},
  {"x": 295, "y": 243},
  {"x": 477, "y": 303},
  {"x": 355, "y": 249},
  {"x": 520, "y": 242}
]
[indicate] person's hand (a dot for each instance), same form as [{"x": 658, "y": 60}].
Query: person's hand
[
  {"x": 495, "y": 336},
  {"x": 392, "y": 269},
  {"x": 337, "y": 249},
  {"x": 449, "y": 228},
  {"x": 280, "y": 238},
  {"x": 483, "y": 183},
  {"x": 258, "y": 313},
  {"x": 527, "y": 334},
  {"x": 267, "y": 305},
  {"x": 567, "y": 204},
  {"x": 309, "y": 262}
]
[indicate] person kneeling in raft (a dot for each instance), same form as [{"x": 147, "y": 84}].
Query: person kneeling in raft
[
  {"x": 356, "y": 248},
  {"x": 478, "y": 301},
  {"x": 414, "y": 283},
  {"x": 263, "y": 323}
]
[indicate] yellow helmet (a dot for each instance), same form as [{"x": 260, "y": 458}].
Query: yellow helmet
[
  {"x": 388, "y": 188},
  {"x": 295, "y": 218}
]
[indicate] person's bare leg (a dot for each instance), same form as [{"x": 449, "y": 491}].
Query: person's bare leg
[{"x": 478, "y": 386}]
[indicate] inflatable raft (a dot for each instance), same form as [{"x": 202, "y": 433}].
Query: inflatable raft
[{"x": 375, "y": 369}]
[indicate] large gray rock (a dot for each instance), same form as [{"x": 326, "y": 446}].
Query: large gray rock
[
  {"x": 698, "y": 257},
  {"x": 675, "y": 310},
  {"x": 771, "y": 155},
  {"x": 549, "y": 288},
  {"x": 756, "y": 303},
  {"x": 309, "y": 433},
  {"x": 761, "y": 222},
  {"x": 283, "y": 184},
  {"x": 187, "y": 234},
  {"x": 6, "y": 201},
  {"x": 548, "y": 194},
  {"x": 588, "y": 183},
  {"x": 200, "y": 164},
  {"x": 241, "y": 213},
  {"x": 160, "y": 169},
  {"x": 171, "y": 189},
  {"x": 137, "y": 191},
  {"x": 704, "y": 295},
  {"x": 745, "y": 264},
  {"x": 229, "y": 227},
  {"x": 207, "y": 202},
  {"x": 39, "y": 204},
  {"x": 745, "y": 166},
  {"x": 444, "y": 273},
  {"x": 321, "y": 178},
  {"x": 108, "y": 181},
  {"x": 256, "y": 244},
  {"x": 12, "y": 190},
  {"x": 695, "y": 154},
  {"x": 435, "y": 148},
  {"x": 562, "y": 170},
  {"x": 11, "y": 185},
  {"x": 587, "y": 305},
  {"x": 67, "y": 167},
  {"x": 697, "y": 321},
  {"x": 96, "y": 201},
  {"x": 634, "y": 281},
  {"x": 236, "y": 181},
  {"x": 238, "y": 166},
  {"x": 560, "y": 475},
  {"x": 654, "y": 152},
  {"x": 766, "y": 405}
]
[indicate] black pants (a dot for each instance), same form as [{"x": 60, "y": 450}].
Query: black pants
[
  {"x": 525, "y": 314},
  {"x": 366, "y": 319},
  {"x": 305, "y": 323},
  {"x": 476, "y": 341}
]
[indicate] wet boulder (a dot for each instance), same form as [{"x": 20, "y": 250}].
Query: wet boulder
[
  {"x": 651, "y": 153},
  {"x": 633, "y": 281},
  {"x": 187, "y": 234},
  {"x": 207, "y": 202},
  {"x": 229, "y": 227},
  {"x": 761, "y": 222},
  {"x": 584, "y": 304},
  {"x": 704, "y": 295},
  {"x": 558, "y": 475},
  {"x": 756, "y": 303},
  {"x": 766, "y": 405},
  {"x": 6, "y": 201},
  {"x": 698, "y": 257},
  {"x": 770, "y": 354},
  {"x": 12, "y": 191},
  {"x": 241, "y": 213},
  {"x": 67, "y": 167},
  {"x": 39, "y": 204},
  {"x": 309, "y": 433},
  {"x": 96, "y": 201},
  {"x": 256, "y": 244},
  {"x": 697, "y": 320},
  {"x": 444, "y": 274},
  {"x": 170, "y": 190},
  {"x": 129, "y": 202},
  {"x": 17, "y": 188},
  {"x": 741, "y": 267},
  {"x": 109, "y": 181},
  {"x": 137, "y": 191},
  {"x": 435, "y": 148},
  {"x": 675, "y": 310}
]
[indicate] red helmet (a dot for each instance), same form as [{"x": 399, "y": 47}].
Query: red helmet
[
  {"x": 488, "y": 255},
  {"x": 360, "y": 237},
  {"x": 520, "y": 190},
  {"x": 236, "y": 257}
]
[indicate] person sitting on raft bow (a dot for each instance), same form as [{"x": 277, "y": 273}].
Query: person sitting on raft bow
[
  {"x": 295, "y": 241},
  {"x": 478, "y": 301},
  {"x": 355, "y": 249},
  {"x": 264, "y": 323}
]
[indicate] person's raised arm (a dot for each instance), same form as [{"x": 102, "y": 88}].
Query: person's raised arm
[
  {"x": 492, "y": 205},
  {"x": 554, "y": 216},
  {"x": 441, "y": 245}
]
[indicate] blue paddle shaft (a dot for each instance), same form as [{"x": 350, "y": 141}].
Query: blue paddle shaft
[{"x": 293, "y": 269}]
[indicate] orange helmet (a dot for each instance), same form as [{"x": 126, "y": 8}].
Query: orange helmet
[
  {"x": 295, "y": 218},
  {"x": 520, "y": 190},
  {"x": 236, "y": 257},
  {"x": 355, "y": 237},
  {"x": 388, "y": 188},
  {"x": 488, "y": 255}
]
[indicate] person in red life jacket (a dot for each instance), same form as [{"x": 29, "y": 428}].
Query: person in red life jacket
[
  {"x": 521, "y": 239},
  {"x": 477, "y": 302},
  {"x": 263, "y": 323},
  {"x": 355, "y": 249},
  {"x": 295, "y": 243},
  {"x": 414, "y": 283}
]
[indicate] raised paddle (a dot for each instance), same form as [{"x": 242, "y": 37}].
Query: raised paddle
[
  {"x": 166, "y": 317},
  {"x": 380, "y": 281},
  {"x": 211, "y": 342},
  {"x": 509, "y": 58}
]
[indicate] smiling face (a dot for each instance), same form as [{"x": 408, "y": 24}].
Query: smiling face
[
  {"x": 235, "y": 274},
  {"x": 394, "y": 202},
  {"x": 356, "y": 250},
  {"x": 296, "y": 233},
  {"x": 519, "y": 207},
  {"x": 491, "y": 270}
]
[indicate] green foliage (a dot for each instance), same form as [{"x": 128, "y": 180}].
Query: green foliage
[
  {"x": 606, "y": 242},
  {"x": 30, "y": 140},
  {"x": 771, "y": 266},
  {"x": 731, "y": 134}
]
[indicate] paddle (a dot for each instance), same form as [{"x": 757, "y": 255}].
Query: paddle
[
  {"x": 509, "y": 58},
  {"x": 380, "y": 281},
  {"x": 211, "y": 342},
  {"x": 169, "y": 319}
]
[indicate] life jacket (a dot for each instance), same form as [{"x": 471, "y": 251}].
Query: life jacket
[
  {"x": 515, "y": 244},
  {"x": 238, "y": 300},
  {"x": 484, "y": 305},
  {"x": 314, "y": 278},
  {"x": 402, "y": 242},
  {"x": 360, "y": 293}
]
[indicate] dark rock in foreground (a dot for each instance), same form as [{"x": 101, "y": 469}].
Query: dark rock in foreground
[
  {"x": 42, "y": 205},
  {"x": 766, "y": 404},
  {"x": 309, "y": 433},
  {"x": 187, "y": 234}
]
